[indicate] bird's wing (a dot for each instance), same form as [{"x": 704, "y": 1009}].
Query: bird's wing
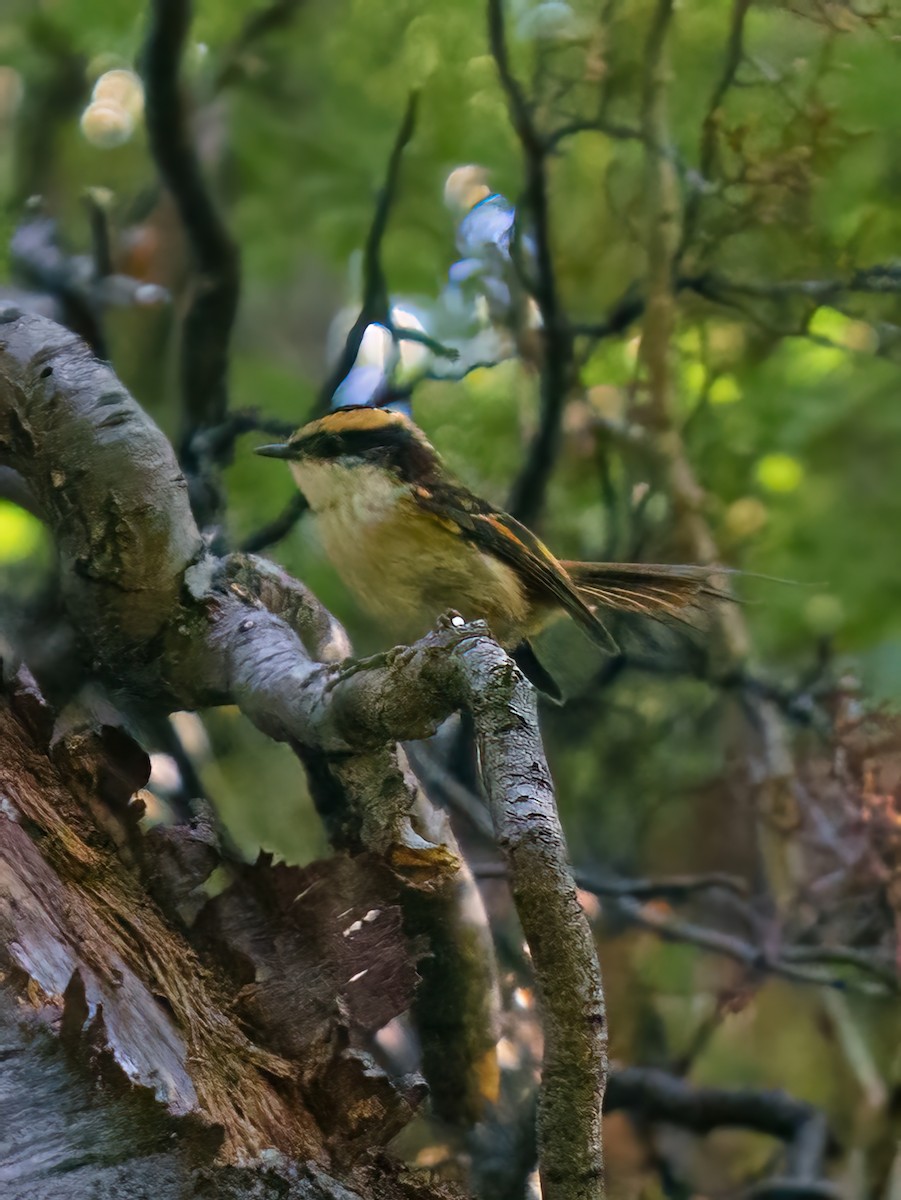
[{"x": 501, "y": 535}]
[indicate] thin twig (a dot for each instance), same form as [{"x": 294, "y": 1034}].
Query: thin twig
[
  {"x": 257, "y": 25},
  {"x": 846, "y": 956},
  {"x": 215, "y": 444},
  {"x": 44, "y": 267},
  {"x": 279, "y": 527},
  {"x": 660, "y": 1096},
  {"x": 881, "y": 279},
  {"x": 101, "y": 242},
  {"x": 656, "y": 1095},
  {"x": 757, "y": 958},
  {"x": 628, "y": 309},
  {"x": 797, "y": 962},
  {"x": 528, "y": 491},
  {"x": 670, "y": 887},
  {"x": 797, "y": 703},
  {"x": 611, "y": 129},
  {"x": 711, "y": 125},
  {"x": 376, "y": 307},
  {"x": 207, "y": 326}
]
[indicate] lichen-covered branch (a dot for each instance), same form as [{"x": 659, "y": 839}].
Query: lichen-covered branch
[
  {"x": 408, "y": 696},
  {"x": 518, "y": 785}
]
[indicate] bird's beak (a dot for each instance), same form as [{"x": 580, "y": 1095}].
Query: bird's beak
[{"x": 276, "y": 450}]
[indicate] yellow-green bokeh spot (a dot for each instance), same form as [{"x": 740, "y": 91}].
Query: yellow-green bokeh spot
[
  {"x": 724, "y": 390},
  {"x": 829, "y": 323},
  {"x": 779, "y": 473},
  {"x": 824, "y": 613},
  {"x": 695, "y": 376},
  {"x": 807, "y": 364},
  {"x": 849, "y": 332},
  {"x": 21, "y": 534}
]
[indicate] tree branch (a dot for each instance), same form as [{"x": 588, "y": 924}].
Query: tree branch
[
  {"x": 457, "y": 1007},
  {"x": 207, "y": 326},
  {"x": 78, "y": 288},
  {"x": 668, "y": 887},
  {"x": 794, "y": 963},
  {"x": 656, "y": 1095},
  {"x": 799, "y": 963},
  {"x": 528, "y": 491},
  {"x": 121, "y": 578},
  {"x": 376, "y": 306},
  {"x": 652, "y": 1096},
  {"x": 279, "y": 527},
  {"x": 407, "y": 695},
  {"x": 713, "y": 117},
  {"x": 881, "y": 279},
  {"x": 258, "y": 24}
]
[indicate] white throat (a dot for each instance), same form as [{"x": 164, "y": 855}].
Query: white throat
[{"x": 358, "y": 492}]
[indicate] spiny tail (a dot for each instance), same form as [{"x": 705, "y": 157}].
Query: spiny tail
[{"x": 656, "y": 590}]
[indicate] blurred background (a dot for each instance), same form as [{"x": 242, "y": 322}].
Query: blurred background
[{"x": 782, "y": 140}]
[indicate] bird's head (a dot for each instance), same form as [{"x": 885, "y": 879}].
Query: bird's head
[{"x": 357, "y": 436}]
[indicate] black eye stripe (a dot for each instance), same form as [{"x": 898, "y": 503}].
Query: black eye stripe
[
  {"x": 394, "y": 447},
  {"x": 331, "y": 443}
]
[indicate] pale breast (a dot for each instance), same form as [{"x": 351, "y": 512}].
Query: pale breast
[{"x": 403, "y": 564}]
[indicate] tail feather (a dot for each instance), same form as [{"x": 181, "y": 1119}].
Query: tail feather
[
  {"x": 653, "y": 590},
  {"x": 534, "y": 670}
]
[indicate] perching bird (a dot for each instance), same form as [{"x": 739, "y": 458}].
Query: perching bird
[{"x": 411, "y": 542}]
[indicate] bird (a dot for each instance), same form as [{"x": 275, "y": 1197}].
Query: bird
[{"x": 412, "y": 542}]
